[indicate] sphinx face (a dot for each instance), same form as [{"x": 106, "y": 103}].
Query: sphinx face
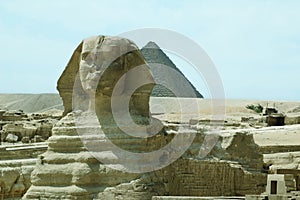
[
  {"x": 90, "y": 65},
  {"x": 98, "y": 54},
  {"x": 105, "y": 71}
]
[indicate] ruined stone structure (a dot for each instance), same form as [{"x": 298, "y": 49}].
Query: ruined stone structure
[
  {"x": 68, "y": 170},
  {"x": 17, "y": 125},
  {"x": 19, "y": 149}
]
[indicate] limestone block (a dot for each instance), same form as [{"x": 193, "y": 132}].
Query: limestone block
[{"x": 11, "y": 138}]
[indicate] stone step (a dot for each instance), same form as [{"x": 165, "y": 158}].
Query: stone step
[
  {"x": 31, "y": 147},
  {"x": 17, "y": 162}
]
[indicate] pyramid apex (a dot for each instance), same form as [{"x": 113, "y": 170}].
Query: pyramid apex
[{"x": 151, "y": 45}]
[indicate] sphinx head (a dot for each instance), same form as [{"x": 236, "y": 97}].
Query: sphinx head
[{"x": 105, "y": 68}]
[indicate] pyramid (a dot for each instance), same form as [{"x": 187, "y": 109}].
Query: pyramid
[{"x": 153, "y": 56}]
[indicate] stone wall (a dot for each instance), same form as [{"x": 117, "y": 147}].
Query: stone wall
[{"x": 190, "y": 177}]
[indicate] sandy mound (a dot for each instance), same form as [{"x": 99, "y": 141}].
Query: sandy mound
[{"x": 30, "y": 102}]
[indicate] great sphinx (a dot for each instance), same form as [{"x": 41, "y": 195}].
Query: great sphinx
[{"x": 107, "y": 78}]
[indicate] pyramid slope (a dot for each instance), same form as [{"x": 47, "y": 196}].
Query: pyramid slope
[{"x": 154, "y": 55}]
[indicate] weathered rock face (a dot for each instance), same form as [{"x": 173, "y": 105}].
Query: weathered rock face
[{"x": 239, "y": 147}]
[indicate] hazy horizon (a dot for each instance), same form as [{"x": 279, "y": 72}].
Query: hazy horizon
[{"x": 208, "y": 98}]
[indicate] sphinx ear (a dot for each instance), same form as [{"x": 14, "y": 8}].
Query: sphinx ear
[{"x": 65, "y": 83}]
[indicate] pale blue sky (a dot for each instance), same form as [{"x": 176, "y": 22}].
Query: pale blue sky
[{"x": 255, "y": 45}]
